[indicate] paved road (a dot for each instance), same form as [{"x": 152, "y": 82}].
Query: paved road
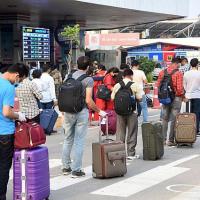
[{"x": 175, "y": 177}]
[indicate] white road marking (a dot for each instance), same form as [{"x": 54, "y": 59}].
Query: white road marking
[
  {"x": 60, "y": 182},
  {"x": 183, "y": 188},
  {"x": 140, "y": 182},
  {"x": 129, "y": 186},
  {"x": 93, "y": 128},
  {"x": 191, "y": 194},
  {"x": 178, "y": 162},
  {"x": 144, "y": 180},
  {"x": 154, "y": 116}
]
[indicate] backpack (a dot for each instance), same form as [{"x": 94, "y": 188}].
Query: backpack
[
  {"x": 71, "y": 98},
  {"x": 103, "y": 92},
  {"x": 124, "y": 102},
  {"x": 166, "y": 92}
]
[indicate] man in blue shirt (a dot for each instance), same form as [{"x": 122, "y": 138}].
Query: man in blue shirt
[{"x": 14, "y": 74}]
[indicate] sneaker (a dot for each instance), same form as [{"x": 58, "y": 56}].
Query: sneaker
[
  {"x": 66, "y": 171},
  {"x": 130, "y": 158},
  {"x": 77, "y": 174},
  {"x": 171, "y": 144}
]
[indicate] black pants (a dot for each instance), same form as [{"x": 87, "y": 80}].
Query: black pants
[
  {"x": 35, "y": 119},
  {"x": 6, "y": 155},
  {"x": 195, "y": 108}
]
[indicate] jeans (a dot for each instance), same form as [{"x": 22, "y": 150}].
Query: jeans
[
  {"x": 195, "y": 108},
  {"x": 169, "y": 115},
  {"x": 144, "y": 107},
  {"x": 6, "y": 155},
  {"x": 76, "y": 128},
  {"x": 48, "y": 105},
  {"x": 131, "y": 123}
]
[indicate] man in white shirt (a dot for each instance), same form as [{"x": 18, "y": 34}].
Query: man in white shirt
[
  {"x": 184, "y": 65},
  {"x": 37, "y": 73},
  {"x": 127, "y": 126},
  {"x": 139, "y": 77},
  {"x": 49, "y": 96},
  {"x": 191, "y": 83}
]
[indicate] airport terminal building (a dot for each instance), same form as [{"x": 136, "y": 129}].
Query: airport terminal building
[{"x": 18, "y": 18}]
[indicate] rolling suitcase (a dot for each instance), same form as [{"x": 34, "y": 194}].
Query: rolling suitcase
[
  {"x": 108, "y": 158},
  {"x": 31, "y": 174},
  {"x": 112, "y": 123},
  {"x": 153, "y": 142},
  {"x": 185, "y": 128},
  {"x": 48, "y": 118}
]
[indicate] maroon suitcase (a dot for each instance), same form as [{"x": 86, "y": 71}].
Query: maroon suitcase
[
  {"x": 108, "y": 157},
  {"x": 112, "y": 123},
  {"x": 31, "y": 174}
]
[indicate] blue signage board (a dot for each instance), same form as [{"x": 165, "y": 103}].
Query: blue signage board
[{"x": 36, "y": 44}]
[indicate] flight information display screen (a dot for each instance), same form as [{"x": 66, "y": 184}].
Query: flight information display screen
[{"x": 36, "y": 44}]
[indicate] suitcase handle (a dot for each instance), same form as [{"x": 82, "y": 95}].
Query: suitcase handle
[
  {"x": 117, "y": 155},
  {"x": 188, "y": 104},
  {"x": 100, "y": 136}
]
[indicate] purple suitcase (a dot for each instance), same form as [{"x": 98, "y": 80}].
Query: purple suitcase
[{"x": 31, "y": 174}]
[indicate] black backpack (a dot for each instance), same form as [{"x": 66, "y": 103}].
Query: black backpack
[
  {"x": 124, "y": 102},
  {"x": 166, "y": 92},
  {"x": 103, "y": 93},
  {"x": 71, "y": 98}
]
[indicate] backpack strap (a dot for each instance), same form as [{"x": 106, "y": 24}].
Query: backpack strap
[
  {"x": 128, "y": 85},
  {"x": 165, "y": 73},
  {"x": 104, "y": 78},
  {"x": 174, "y": 71},
  {"x": 70, "y": 76},
  {"x": 122, "y": 84},
  {"x": 82, "y": 77},
  {"x": 98, "y": 78},
  {"x": 171, "y": 83}
]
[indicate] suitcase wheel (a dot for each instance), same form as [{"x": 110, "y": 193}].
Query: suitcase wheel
[{"x": 184, "y": 144}]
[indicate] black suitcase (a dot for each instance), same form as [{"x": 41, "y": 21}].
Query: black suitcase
[{"x": 153, "y": 141}]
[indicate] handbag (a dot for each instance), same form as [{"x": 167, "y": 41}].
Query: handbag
[
  {"x": 28, "y": 135},
  {"x": 103, "y": 93}
]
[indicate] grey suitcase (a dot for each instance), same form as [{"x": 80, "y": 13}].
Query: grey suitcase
[
  {"x": 153, "y": 141},
  {"x": 108, "y": 157}
]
